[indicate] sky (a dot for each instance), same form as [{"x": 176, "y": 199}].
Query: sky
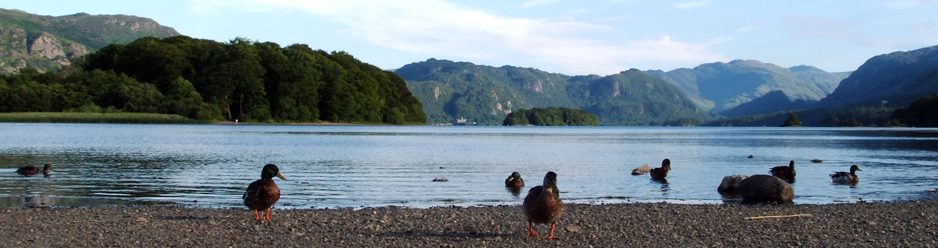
[{"x": 579, "y": 37}]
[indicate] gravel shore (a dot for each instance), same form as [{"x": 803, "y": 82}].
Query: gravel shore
[{"x": 910, "y": 223}]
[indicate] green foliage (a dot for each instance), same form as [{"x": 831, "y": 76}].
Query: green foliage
[
  {"x": 921, "y": 113},
  {"x": 792, "y": 121},
  {"x": 551, "y": 117},
  {"x": 820, "y": 117},
  {"x": 206, "y": 80},
  {"x": 850, "y": 123}
]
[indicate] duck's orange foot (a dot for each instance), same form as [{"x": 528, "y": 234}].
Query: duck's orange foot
[
  {"x": 257, "y": 216},
  {"x": 552, "y": 227},
  {"x": 267, "y": 216},
  {"x": 531, "y": 230}
]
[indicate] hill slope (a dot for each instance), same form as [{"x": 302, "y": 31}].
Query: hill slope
[
  {"x": 50, "y": 42},
  {"x": 723, "y": 86},
  {"x": 485, "y": 94},
  {"x": 897, "y": 79}
]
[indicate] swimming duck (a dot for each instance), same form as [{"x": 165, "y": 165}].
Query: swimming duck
[
  {"x": 661, "y": 172},
  {"x": 30, "y": 170},
  {"x": 542, "y": 205},
  {"x": 263, "y": 193},
  {"x": 846, "y": 178},
  {"x": 514, "y": 180},
  {"x": 786, "y": 173}
]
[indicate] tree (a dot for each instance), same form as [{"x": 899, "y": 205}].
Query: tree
[{"x": 792, "y": 121}]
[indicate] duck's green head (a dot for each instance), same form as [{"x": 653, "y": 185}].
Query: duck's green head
[
  {"x": 666, "y": 163},
  {"x": 271, "y": 171},
  {"x": 550, "y": 181},
  {"x": 515, "y": 175},
  {"x": 854, "y": 169}
]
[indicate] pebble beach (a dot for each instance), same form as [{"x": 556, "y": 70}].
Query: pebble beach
[{"x": 881, "y": 224}]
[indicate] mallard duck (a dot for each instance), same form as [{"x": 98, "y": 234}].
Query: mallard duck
[
  {"x": 542, "y": 205},
  {"x": 786, "y": 173},
  {"x": 846, "y": 178},
  {"x": 30, "y": 170},
  {"x": 263, "y": 193},
  {"x": 661, "y": 172},
  {"x": 514, "y": 180}
]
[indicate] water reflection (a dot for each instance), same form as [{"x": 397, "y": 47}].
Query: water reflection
[{"x": 516, "y": 191}]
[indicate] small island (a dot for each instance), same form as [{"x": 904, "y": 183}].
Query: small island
[{"x": 550, "y": 117}]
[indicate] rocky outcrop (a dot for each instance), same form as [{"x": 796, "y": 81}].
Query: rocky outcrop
[
  {"x": 730, "y": 185},
  {"x": 765, "y": 188},
  {"x": 50, "y": 42}
]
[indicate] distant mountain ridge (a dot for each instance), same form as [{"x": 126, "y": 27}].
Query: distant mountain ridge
[
  {"x": 896, "y": 79},
  {"x": 721, "y": 86},
  {"x": 49, "y": 42},
  {"x": 485, "y": 94}
]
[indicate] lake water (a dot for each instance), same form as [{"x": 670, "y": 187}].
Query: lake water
[{"x": 368, "y": 166}]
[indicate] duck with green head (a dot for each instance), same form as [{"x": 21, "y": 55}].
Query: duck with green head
[
  {"x": 542, "y": 205},
  {"x": 263, "y": 193},
  {"x": 30, "y": 170},
  {"x": 514, "y": 180},
  {"x": 846, "y": 178}
]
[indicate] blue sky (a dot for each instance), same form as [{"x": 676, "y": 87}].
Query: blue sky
[{"x": 570, "y": 37}]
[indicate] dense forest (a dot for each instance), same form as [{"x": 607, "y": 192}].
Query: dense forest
[
  {"x": 208, "y": 80},
  {"x": 922, "y": 113},
  {"x": 551, "y": 117}
]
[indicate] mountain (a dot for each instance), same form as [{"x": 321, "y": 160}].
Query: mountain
[
  {"x": 50, "y": 42},
  {"x": 896, "y": 79},
  {"x": 722, "y": 86},
  {"x": 774, "y": 101},
  {"x": 486, "y": 95}
]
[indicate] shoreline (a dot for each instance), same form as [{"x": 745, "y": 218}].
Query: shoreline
[{"x": 906, "y": 223}]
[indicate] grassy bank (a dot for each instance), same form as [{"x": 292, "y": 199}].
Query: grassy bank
[{"x": 73, "y": 117}]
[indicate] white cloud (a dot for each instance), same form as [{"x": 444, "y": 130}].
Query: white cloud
[{"x": 446, "y": 30}]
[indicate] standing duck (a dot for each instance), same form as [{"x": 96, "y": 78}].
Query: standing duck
[
  {"x": 846, "y": 178},
  {"x": 661, "y": 172},
  {"x": 30, "y": 170},
  {"x": 514, "y": 180},
  {"x": 786, "y": 173},
  {"x": 263, "y": 193},
  {"x": 542, "y": 205}
]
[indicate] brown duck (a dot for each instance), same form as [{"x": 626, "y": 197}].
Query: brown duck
[
  {"x": 661, "y": 172},
  {"x": 514, "y": 180},
  {"x": 263, "y": 193},
  {"x": 542, "y": 205},
  {"x": 786, "y": 173},
  {"x": 30, "y": 170}
]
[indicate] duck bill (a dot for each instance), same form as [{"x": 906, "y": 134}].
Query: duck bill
[{"x": 281, "y": 176}]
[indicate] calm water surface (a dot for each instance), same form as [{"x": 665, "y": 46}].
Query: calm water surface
[{"x": 367, "y": 166}]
